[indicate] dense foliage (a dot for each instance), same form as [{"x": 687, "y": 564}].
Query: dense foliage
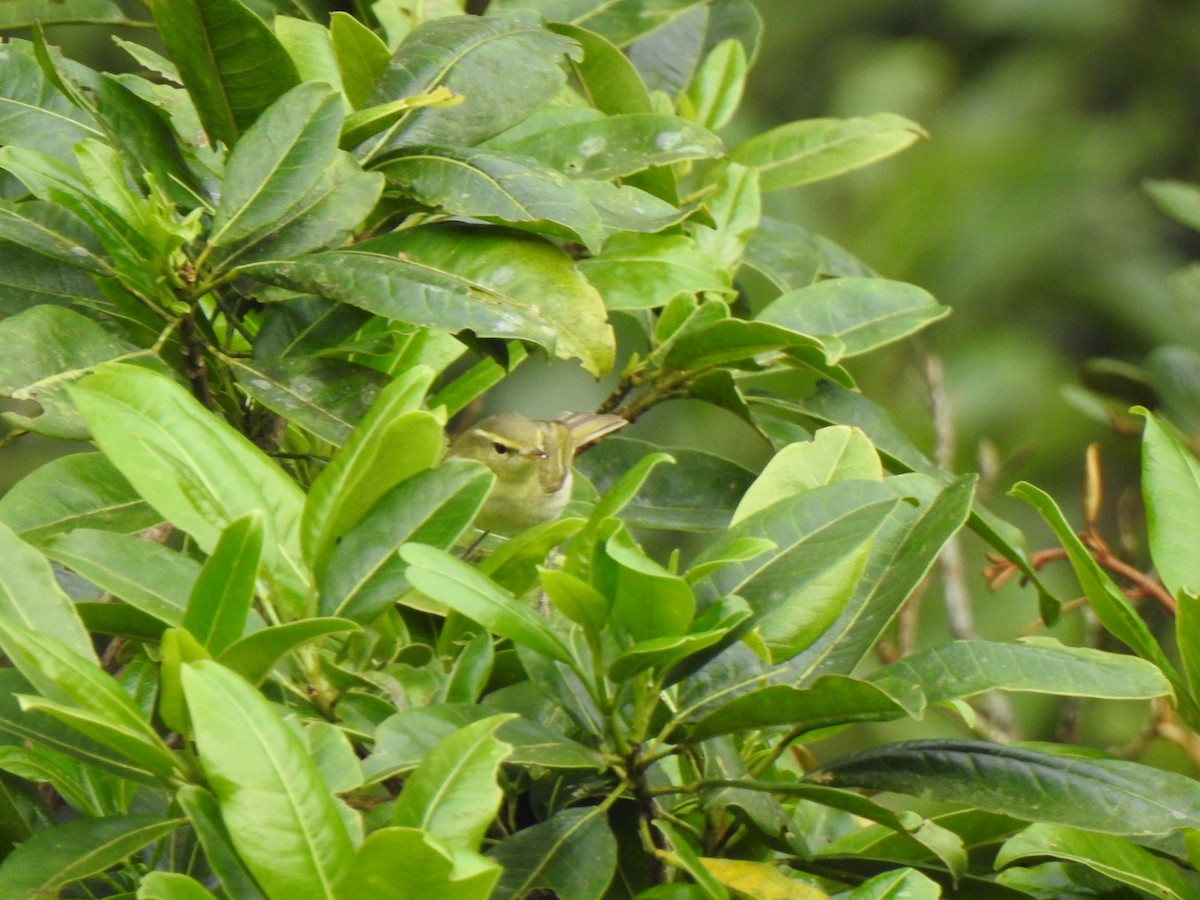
[{"x": 251, "y": 654}]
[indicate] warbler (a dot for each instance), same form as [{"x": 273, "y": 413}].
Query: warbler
[{"x": 532, "y": 462}]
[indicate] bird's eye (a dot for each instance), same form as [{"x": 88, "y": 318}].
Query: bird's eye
[{"x": 500, "y": 448}]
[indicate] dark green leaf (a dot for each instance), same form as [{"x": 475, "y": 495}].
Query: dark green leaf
[
  {"x": 433, "y": 507},
  {"x": 1103, "y": 795},
  {"x": 524, "y": 275},
  {"x": 280, "y": 815},
  {"x": 620, "y": 21},
  {"x": 27, "y": 278},
  {"x": 47, "y": 348},
  {"x": 32, "y": 111},
  {"x": 30, "y": 13},
  {"x": 229, "y": 60},
  {"x": 828, "y": 701},
  {"x": 145, "y": 574},
  {"x": 1119, "y": 859},
  {"x": 324, "y": 396},
  {"x": 51, "y": 230},
  {"x": 205, "y": 817},
  {"x": 605, "y": 147},
  {"x": 671, "y": 57},
  {"x": 962, "y": 669},
  {"x": 56, "y": 857},
  {"x": 573, "y": 853},
  {"x": 406, "y": 738},
  {"x": 497, "y": 187},
  {"x": 463, "y": 54}
]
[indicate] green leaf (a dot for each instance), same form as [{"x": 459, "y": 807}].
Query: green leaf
[
  {"x": 361, "y": 56},
  {"x": 605, "y": 147},
  {"x": 205, "y": 818},
  {"x": 464, "y": 54},
  {"x": 310, "y": 46},
  {"x": 435, "y": 507},
  {"x": 280, "y": 815},
  {"x": 32, "y": 112},
  {"x": 395, "y": 288},
  {"x": 512, "y": 273},
  {"x": 404, "y": 739},
  {"x": 573, "y": 854},
  {"x": 828, "y": 701},
  {"x": 735, "y": 207},
  {"x": 791, "y": 257},
  {"x": 148, "y": 576},
  {"x": 864, "y": 314},
  {"x": 814, "y": 149},
  {"x": 716, "y": 89},
  {"x": 1178, "y": 199},
  {"x": 86, "y": 697},
  {"x": 1171, "y": 489},
  {"x": 254, "y": 655},
  {"x": 82, "y": 490},
  {"x": 144, "y": 136},
  {"x": 224, "y": 589},
  {"x": 324, "y": 396},
  {"x": 448, "y": 579},
  {"x": 231, "y": 64},
  {"x": 171, "y": 448},
  {"x": 28, "y": 279},
  {"x": 1107, "y": 600},
  {"x": 576, "y": 599},
  {"x": 1118, "y": 859},
  {"x": 326, "y": 216},
  {"x": 497, "y": 187},
  {"x": 669, "y": 58},
  {"x": 907, "y": 883},
  {"x": 58, "y": 856},
  {"x": 1103, "y": 795},
  {"x": 645, "y": 271},
  {"x": 606, "y": 76},
  {"x": 31, "y": 13},
  {"x": 648, "y": 601},
  {"x": 171, "y": 886},
  {"x": 411, "y": 864},
  {"x": 278, "y": 160},
  {"x": 901, "y": 556},
  {"x": 30, "y": 595},
  {"x": 47, "y": 348},
  {"x": 820, "y": 541},
  {"x": 177, "y": 647},
  {"x": 836, "y": 453},
  {"x": 393, "y": 441},
  {"x": 453, "y": 793},
  {"x": 620, "y": 21},
  {"x": 962, "y": 669},
  {"x": 51, "y": 231}
]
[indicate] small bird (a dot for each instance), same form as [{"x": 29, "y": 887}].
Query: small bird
[{"x": 532, "y": 462}]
